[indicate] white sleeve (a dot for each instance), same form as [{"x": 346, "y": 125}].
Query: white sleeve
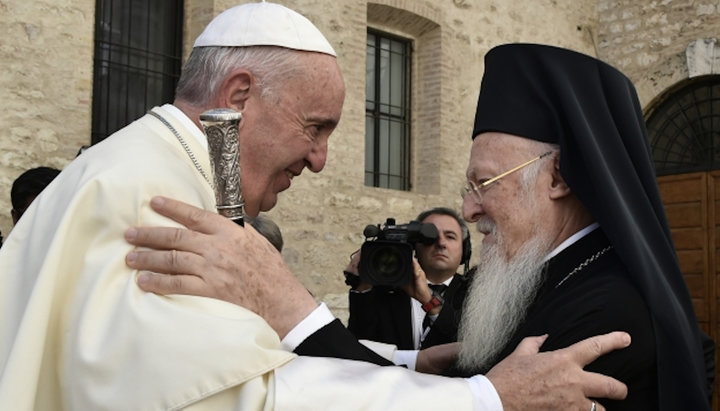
[
  {"x": 317, "y": 319},
  {"x": 485, "y": 396},
  {"x": 384, "y": 350},
  {"x": 407, "y": 358},
  {"x": 311, "y": 383},
  {"x": 314, "y": 383}
]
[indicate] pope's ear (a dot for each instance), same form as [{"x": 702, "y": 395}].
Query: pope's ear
[
  {"x": 558, "y": 187},
  {"x": 236, "y": 89}
]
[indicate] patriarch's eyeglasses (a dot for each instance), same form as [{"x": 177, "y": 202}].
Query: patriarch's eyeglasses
[{"x": 477, "y": 190}]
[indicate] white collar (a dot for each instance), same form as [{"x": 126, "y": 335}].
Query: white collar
[
  {"x": 572, "y": 240},
  {"x": 178, "y": 115},
  {"x": 446, "y": 282}
]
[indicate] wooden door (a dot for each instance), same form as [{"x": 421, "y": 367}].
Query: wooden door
[{"x": 692, "y": 204}]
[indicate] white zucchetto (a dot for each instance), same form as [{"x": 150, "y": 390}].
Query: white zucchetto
[{"x": 263, "y": 24}]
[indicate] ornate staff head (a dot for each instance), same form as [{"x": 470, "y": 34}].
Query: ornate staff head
[{"x": 221, "y": 129}]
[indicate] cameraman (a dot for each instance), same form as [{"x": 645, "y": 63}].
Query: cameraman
[{"x": 405, "y": 316}]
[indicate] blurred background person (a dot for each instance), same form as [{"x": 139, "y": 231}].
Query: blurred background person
[
  {"x": 267, "y": 227},
  {"x": 28, "y": 186}
]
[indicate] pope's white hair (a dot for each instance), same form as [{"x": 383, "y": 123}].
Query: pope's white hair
[{"x": 207, "y": 67}]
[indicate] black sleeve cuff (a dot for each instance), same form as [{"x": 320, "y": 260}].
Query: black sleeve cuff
[{"x": 334, "y": 340}]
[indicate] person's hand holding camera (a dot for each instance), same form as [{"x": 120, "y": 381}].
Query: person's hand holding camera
[
  {"x": 418, "y": 289},
  {"x": 352, "y": 275}
]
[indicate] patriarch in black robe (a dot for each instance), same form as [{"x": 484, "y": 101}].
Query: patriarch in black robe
[{"x": 594, "y": 253}]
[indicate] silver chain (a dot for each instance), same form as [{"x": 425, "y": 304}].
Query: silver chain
[
  {"x": 184, "y": 145},
  {"x": 584, "y": 264}
]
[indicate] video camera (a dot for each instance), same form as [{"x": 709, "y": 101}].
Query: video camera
[{"x": 387, "y": 254}]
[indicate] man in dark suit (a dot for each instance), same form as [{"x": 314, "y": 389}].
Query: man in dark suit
[{"x": 405, "y": 316}]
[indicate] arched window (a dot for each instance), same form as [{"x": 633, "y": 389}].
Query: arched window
[{"x": 684, "y": 127}]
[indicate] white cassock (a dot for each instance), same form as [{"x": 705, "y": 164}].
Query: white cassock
[{"x": 76, "y": 333}]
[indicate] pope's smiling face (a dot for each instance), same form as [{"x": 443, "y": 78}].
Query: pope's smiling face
[{"x": 287, "y": 131}]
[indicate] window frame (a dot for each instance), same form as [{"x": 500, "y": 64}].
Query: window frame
[
  {"x": 380, "y": 171},
  {"x": 135, "y": 67}
]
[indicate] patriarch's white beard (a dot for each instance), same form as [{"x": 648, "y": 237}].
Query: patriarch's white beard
[{"x": 497, "y": 301}]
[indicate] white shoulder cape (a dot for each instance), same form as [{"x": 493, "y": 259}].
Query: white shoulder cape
[{"x": 75, "y": 330}]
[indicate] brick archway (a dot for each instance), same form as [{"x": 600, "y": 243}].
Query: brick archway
[{"x": 684, "y": 134}]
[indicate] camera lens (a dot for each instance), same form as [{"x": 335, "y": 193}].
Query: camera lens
[{"x": 386, "y": 262}]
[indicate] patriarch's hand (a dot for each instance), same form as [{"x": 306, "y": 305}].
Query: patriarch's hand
[{"x": 438, "y": 358}]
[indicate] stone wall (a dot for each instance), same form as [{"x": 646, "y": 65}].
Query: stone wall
[
  {"x": 46, "y": 56},
  {"x": 647, "y": 40}
]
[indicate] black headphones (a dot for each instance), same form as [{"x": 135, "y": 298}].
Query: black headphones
[{"x": 466, "y": 244}]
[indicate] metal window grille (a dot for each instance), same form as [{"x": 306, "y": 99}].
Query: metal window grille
[
  {"x": 387, "y": 111},
  {"x": 137, "y": 62},
  {"x": 684, "y": 128}
]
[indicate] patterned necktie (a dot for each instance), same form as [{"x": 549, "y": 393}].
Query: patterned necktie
[{"x": 438, "y": 289}]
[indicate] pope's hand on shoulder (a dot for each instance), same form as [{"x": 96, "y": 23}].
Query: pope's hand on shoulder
[
  {"x": 214, "y": 257},
  {"x": 526, "y": 377}
]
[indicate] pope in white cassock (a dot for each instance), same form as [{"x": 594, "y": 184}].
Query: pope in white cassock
[{"x": 77, "y": 333}]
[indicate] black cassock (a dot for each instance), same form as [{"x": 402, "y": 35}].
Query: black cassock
[
  {"x": 597, "y": 299},
  {"x": 383, "y": 314}
]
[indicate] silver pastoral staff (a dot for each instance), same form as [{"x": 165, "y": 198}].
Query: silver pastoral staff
[{"x": 221, "y": 129}]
